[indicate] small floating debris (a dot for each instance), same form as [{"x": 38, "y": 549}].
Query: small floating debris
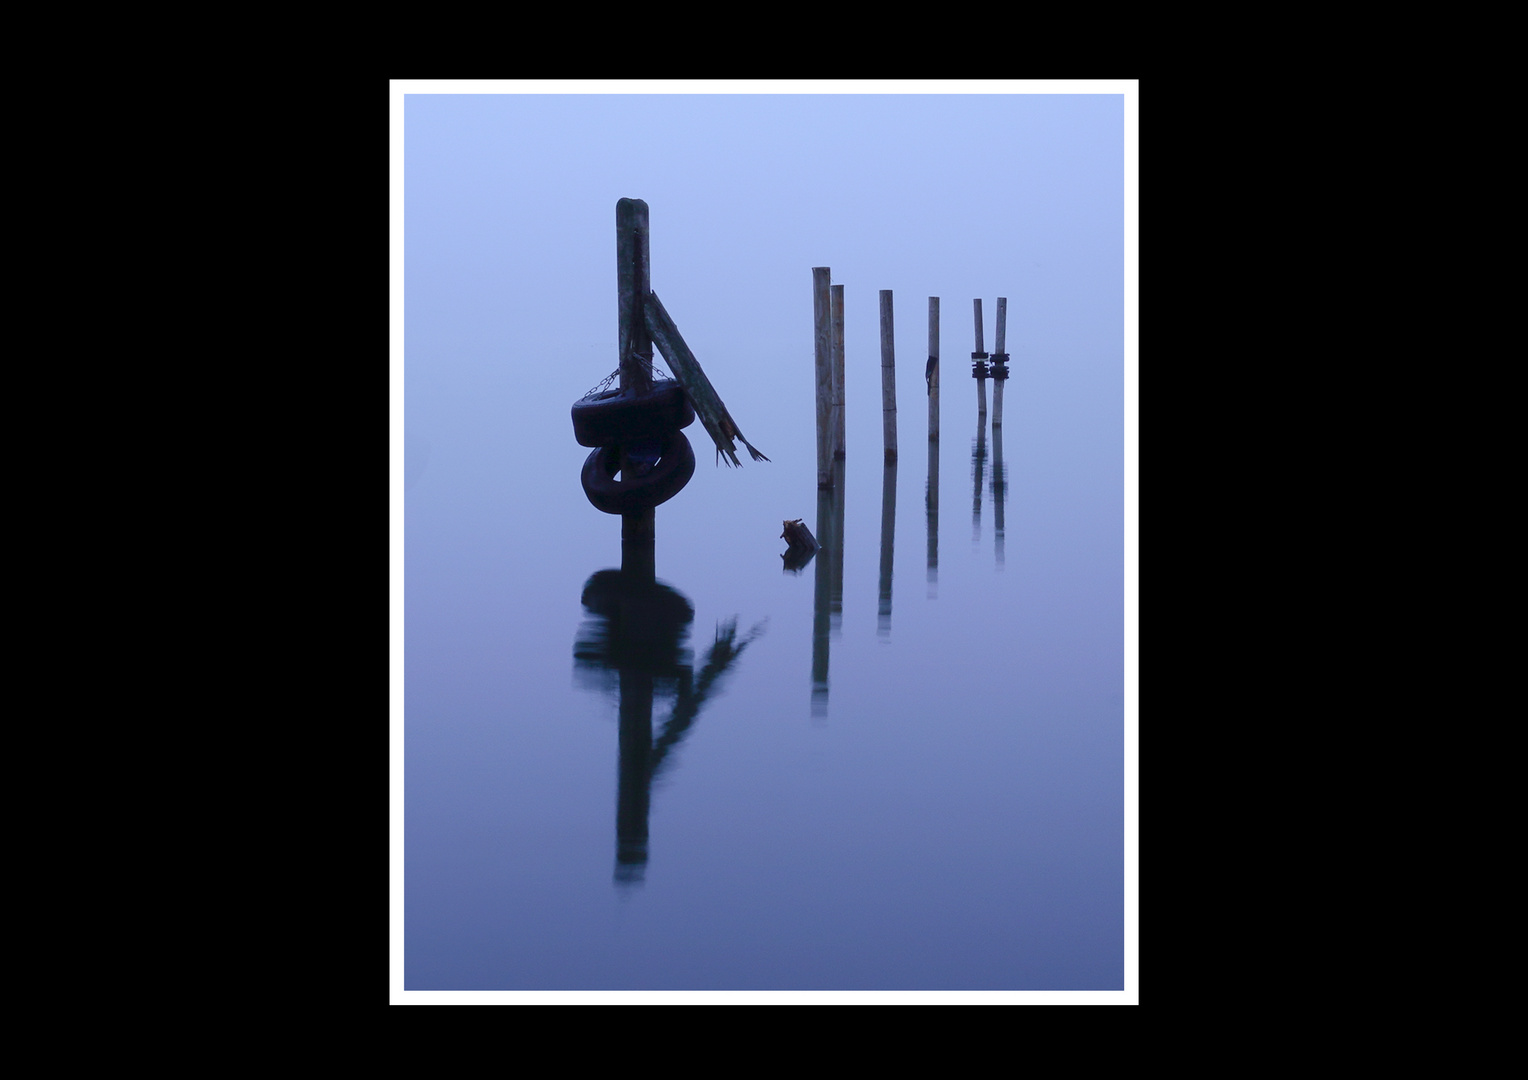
[{"x": 803, "y": 545}]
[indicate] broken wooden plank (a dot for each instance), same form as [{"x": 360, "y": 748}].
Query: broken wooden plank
[{"x": 703, "y": 397}]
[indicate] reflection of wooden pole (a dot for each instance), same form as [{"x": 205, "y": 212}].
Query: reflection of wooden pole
[
  {"x": 888, "y": 540},
  {"x": 999, "y": 490},
  {"x": 932, "y": 371},
  {"x": 837, "y": 300},
  {"x": 822, "y": 335},
  {"x": 978, "y": 460},
  {"x": 931, "y": 500},
  {"x": 634, "y": 787},
  {"x": 822, "y": 587},
  {"x": 633, "y": 281},
  {"x": 888, "y": 381}
]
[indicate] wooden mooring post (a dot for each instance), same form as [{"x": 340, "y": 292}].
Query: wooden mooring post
[
  {"x": 633, "y": 282},
  {"x": 979, "y": 364},
  {"x": 888, "y": 381},
  {"x": 999, "y": 366},
  {"x": 822, "y": 338}
]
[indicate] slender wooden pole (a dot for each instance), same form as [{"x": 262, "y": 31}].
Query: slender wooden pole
[
  {"x": 978, "y": 463},
  {"x": 822, "y": 336},
  {"x": 837, "y": 299},
  {"x": 979, "y": 365},
  {"x": 1000, "y": 366},
  {"x": 931, "y": 372},
  {"x": 888, "y": 380}
]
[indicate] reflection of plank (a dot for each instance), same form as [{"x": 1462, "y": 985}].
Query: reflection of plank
[{"x": 703, "y": 398}]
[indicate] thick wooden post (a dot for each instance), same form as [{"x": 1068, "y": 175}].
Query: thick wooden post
[
  {"x": 931, "y": 372},
  {"x": 888, "y": 381},
  {"x": 837, "y": 292},
  {"x": 633, "y": 282},
  {"x": 822, "y": 335}
]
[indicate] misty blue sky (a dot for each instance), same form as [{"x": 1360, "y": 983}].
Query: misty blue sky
[{"x": 509, "y": 223}]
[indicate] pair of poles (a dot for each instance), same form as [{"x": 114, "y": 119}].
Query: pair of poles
[{"x": 828, "y": 327}]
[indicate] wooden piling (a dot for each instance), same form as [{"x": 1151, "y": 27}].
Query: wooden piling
[
  {"x": 931, "y": 372},
  {"x": 822, "y": 334},
  {"x": 888, "y": 381},
  {"x": 979, "y": 358},
  {"x": 837, "y": 300},
  {"x": 633, "y": 281},
  {"x": 998, "y": 383}
]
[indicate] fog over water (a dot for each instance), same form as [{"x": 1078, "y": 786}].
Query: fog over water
[{"x": 899, "y": 765}]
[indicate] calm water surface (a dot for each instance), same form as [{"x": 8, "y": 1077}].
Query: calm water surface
[{"x": 898, "y": 768}]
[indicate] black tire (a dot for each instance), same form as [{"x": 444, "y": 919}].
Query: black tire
[
  {"x": 668, "y": 476},
  {"x": 620, "y": 416}
]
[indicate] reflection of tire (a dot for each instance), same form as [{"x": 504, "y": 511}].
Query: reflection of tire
[
  {"x": 667, "y": 477},
  {"x": 618, "y": 416}
]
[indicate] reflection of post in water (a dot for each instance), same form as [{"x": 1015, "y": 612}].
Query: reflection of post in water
[
  {"x": 888, "y": 535},
  {"x": 633, "y": 642},
  {"x": 978, "y": 463},
  {"x": 999, "y": 490},
  {"x": 822, "y": 591},
  {"x": 931, "y": 499}
]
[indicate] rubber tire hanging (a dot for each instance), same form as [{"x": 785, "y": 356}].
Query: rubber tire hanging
[
  {"x": 628, "y": 495},
  {"x": 623, "y": 416}
]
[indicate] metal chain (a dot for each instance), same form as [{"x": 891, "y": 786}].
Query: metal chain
[{"x": 654, "y": 372}]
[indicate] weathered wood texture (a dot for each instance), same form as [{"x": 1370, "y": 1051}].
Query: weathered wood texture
[
  {"x": 888, "y": 380},
  {"x": 632, "y": 276},
  {"x": 1002, "y": 323},
  {"x": 977, "y": 310},
  {"x": 633, "y": 281},
  {"x": 703, "y": 397},
  {"x": 822, "y": 340}
]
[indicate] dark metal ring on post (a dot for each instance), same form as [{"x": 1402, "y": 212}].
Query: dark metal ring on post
[
  {"x": 979, "y": 370},
  {"x": 978, "y": 356}
]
